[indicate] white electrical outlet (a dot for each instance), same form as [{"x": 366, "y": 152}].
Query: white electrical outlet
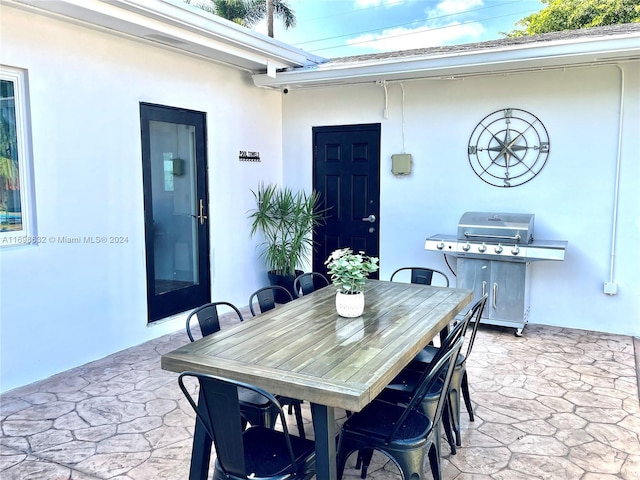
[{"x": 610, "y": 288}]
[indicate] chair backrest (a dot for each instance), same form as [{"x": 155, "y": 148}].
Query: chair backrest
[
  {"x": 439, "y": 370},
  {"x": 422, "y": 275},
  {"x": 218, "y": 412},
  {"x": 457, "y": 331},
  {"x": 475, "y": 314},
  {"x": 208, "y": 319},
  {"x": 309, "y": 282},
  {"x": 266, "y": 299}
]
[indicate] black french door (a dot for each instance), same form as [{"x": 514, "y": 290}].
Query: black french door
[{"x": 175, "y": 206}]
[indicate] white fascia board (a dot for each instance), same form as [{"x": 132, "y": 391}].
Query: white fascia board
[
  {"x": 178, "y": 25},
  {"x": 461, "y": 63},
  {"x": 194, "y": 19}
]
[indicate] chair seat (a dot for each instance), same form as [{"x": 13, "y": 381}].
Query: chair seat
[
  {"x": 250, "y": 397},
  {"x": 401, "y": 387},
  {"x": 426, "y": 356},
  {"x": 401, "y": 393},
  {"x": 378, "y": 418},
  {"x": 266, "y": 455}
]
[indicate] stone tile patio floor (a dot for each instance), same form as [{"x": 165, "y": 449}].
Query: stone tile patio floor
[{"x": 553, "y": 404}]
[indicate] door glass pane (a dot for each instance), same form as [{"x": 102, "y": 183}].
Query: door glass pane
[{"x": 174, "y": 205}]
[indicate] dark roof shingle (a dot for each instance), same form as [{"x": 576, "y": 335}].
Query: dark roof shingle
[{"x": 605, "y": 31}]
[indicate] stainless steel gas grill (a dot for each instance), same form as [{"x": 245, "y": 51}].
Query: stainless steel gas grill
[{"x": 494, "y": 251}]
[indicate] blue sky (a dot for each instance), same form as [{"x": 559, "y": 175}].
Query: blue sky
[{"x": 336, "y": 28}]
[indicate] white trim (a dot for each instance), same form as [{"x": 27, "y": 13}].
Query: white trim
[
  {"x": 472, "y": 62},
  {"x": 177, "y": 25},
  {"x": 26, "y": 235}
]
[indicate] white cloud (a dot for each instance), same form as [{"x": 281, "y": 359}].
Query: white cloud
[
  {"x": 449, "y": 7},
  {"x": 375, "y": 3},
  {"x": 421, "y": 37},
  {"x": 436, "y": 31}
]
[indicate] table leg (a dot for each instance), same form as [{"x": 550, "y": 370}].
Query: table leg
[
  {"x": 443, "y": 334},
  {"x": 324, "y": 427},
  {"x": 201, "y": 451}
]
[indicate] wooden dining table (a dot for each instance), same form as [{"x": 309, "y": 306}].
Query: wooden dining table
[{"x": 304, "y": 350}]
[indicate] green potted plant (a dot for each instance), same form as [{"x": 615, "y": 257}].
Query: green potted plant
[
  {"x": 286, "y": 220},
  {"x": 349, "y": 272}
]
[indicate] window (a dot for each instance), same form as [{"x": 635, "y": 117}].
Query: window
[{"x": 16, "y": 216}]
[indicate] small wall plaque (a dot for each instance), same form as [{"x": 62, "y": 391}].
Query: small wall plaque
[{"x": 246, "y": 156}]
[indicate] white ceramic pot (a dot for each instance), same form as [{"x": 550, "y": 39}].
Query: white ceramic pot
[{"x": 349, "y": 306}]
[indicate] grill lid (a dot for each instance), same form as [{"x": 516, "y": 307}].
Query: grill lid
[{"x": 496, "y": 227}]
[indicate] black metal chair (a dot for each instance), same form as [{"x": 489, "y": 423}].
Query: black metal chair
[
  {"x": 309, "y": 282},
  {"x": 266, "y": 301},
  {"x": 208, "y": 318},
  {"x": 402, "y": 388},
  {"x": 255, "y": 452},
  {"x": 402, "y": 432},
  {"x": 460, "y": 381},
  {"x": 253, "y": 408},
  {"x": 422, "y": 275},
  {"x": 266, "y": 298}
]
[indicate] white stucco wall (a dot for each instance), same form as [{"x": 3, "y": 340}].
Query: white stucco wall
[
  {"x": 63, "y": 305},
  {"x": 572, "y": 198}
]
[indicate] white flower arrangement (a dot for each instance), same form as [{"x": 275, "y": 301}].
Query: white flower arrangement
[{"x": 349, "y": 270}]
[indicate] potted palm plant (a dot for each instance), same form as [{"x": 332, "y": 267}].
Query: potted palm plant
[{"x": 286, "y": 220}]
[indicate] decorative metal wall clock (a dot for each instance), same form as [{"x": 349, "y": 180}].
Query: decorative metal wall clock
[{"x": 508, "y": 147}]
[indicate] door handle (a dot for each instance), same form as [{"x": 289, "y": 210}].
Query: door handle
[
  {"x": 371, "y": 218},
  {"x": 202, "y": 217},
  {"x": 494, "y": 300}
]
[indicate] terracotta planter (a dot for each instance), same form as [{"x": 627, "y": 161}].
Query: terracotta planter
[{"x": 350, "y": 306}]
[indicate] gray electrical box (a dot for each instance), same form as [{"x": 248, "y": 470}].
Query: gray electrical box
[{"x": 401, "y": 164}]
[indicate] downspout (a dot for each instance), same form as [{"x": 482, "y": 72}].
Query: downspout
[{"x": 610, "y": 287}]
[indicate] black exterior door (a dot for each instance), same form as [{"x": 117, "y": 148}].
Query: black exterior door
[
  {"x": 175, "y": 205},
  {"x": 346, "y": 172}
]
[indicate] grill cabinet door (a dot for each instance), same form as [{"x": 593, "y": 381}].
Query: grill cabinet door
[
  {"x": 475, "y": 274},
  {"x": 505, "y": 282},
  {"x": 508, "y": 293}
]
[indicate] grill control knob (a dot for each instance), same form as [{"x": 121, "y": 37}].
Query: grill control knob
[
  {"x": 515, "y": 250},
  {"x": 499, "y": 249},
  {"x": 440, "y": 246},
  {"x": 466, "y": 247},
  {"x": 482, "y": 248}
]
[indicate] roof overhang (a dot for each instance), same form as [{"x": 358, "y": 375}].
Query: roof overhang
[
  {"x": 176, "y": 25},
  {"x": 461, "y": 62}
]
